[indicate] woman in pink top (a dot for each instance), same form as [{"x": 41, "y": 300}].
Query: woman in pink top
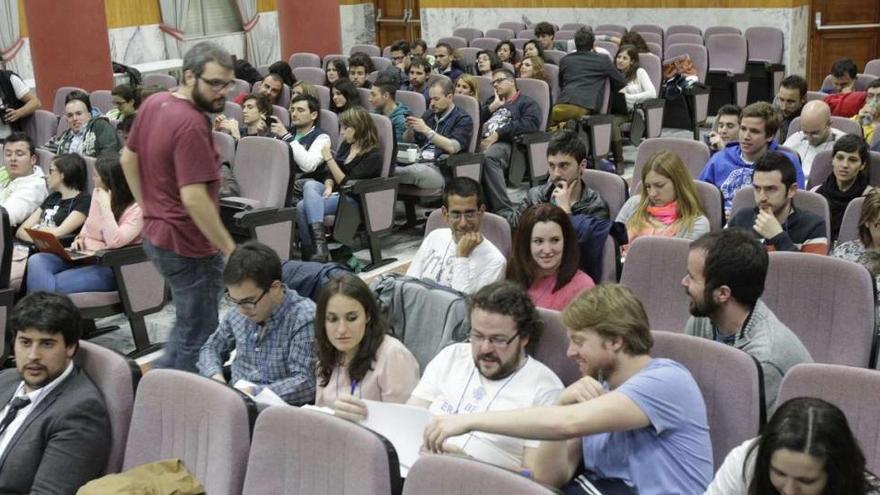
[
  {"x": 115, "y": 220},
  {"x": 545, "y": 257},
  {"x": 355, "y": 354}
]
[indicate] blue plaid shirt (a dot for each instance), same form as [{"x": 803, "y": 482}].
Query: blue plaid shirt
[{"x": 282, "y": 361}]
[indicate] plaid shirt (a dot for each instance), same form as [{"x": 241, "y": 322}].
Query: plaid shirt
[{"x": 282, "y": 360}]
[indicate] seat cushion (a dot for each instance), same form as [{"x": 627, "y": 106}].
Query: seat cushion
[{"x": 85, "y": 300}]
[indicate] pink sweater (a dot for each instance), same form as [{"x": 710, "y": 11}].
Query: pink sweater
[
  {"x": 543, "y": 296},
  {"x": 102, "y": 231}
]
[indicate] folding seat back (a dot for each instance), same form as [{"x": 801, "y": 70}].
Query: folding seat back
[
  {"x": 165, "y": 80},
  {"x": 644, "y": 29},
  {"x": 225, "y": 145},
  {"x": 519, "y": 43},
  {"x": 293, "y": 451},
  {"x": 730, "y": 381},
  {"x": 422, "y": 314},
  {"x": 655, "y": 49},
  {"x": 232, "y": 110},
  {"x": 468, "y": 56},
  {"x": 698, "y": 54},
  {"x": 380, "y": 63},
  {"x": 467, "y": 33},
  {"x": 873, "y": 67},
  {"x": 370, "y": 50},
  {"x": 683, "y": 28},
  {"x": 712, "y": 202},
  {"x": 611, "y": 187},
  {"x": 652, "y": 37},
  {"x": 485, "y": 90},
  {"x": 827, "y": 302},
  {"x": 44, "y": 159},
  {"x": 849, "y": 226},
  {"x": 715, "y": 30},
  {"x": 565, "y": 35},
  {"x": 116, "y": 378},
  {"x": 304, "y": 59},
  {"x": 455, "y": 42},
  {"x": 170, "y": 421},
  {"x": 554, "y": 55},
  {"x": 412, "y": 100},
  {"x": 60, "y": 95},
  {"x": 309, "y": 74},
  {"x": 540, "y": 92},
  {"x": 365, "y": 96},
  {"x": 552, "y": 71},
  {"x": 765, "y": 44},
  {"x": 853, "y": 390},
  {"x": 282, "y": 114},
  {"x": 653, "y": 270},
  {"x": 500, "y": 33},
  {"x": 727, "y": 52},
  {"x": 470, "y": 106},
  {"x": 329, "y": 123},
  {"x": 42, "y": 126},
  {"x": 493, "y": 227},
  {"x": 486, "y": 43},
  {"x": 863, "y": 80},
  {"x": 323, "y": 96},
  {"x": 571, "y": 26},
  {"x": 679, "y": 38},
  {"x": 451, "y": 475},
  {"x": 806, "y": 200},
  {"x": 241, "y": 87},
  {"x": 694, "y": 154},
  {"x": 513, "y": 26},
  {"x": 262, "y": 169},
  {"x": 609, "y": 46},
  {"x": 526, "y": 34},
  {"x": 614, "y": 28},
  {"x": 102, "y": 100}
]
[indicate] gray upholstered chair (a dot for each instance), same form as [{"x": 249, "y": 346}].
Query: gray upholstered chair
[
  {"x": 304, "y": 59},
  {"x": 552, "y": 348},
  {"x": 806, "y": 200},
  {"x": 309, "y": 74},
  {"x": 493, "y": 227},
  {"x": 449, "y": 475},
  {"x": 694, "y": 154},
  {"x": 653, "y": 270}
]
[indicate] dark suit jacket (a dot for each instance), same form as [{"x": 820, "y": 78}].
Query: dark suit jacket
[
  {"x": 63, "y": 443},
  {"x": 582, "y": 78}
]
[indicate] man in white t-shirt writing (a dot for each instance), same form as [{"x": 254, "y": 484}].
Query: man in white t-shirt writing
[
  {"x": 493, "y": 372},
  {"x": 459, "y": 256}
]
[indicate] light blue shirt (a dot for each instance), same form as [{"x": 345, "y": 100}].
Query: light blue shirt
[{"x": 671, "y": 456}]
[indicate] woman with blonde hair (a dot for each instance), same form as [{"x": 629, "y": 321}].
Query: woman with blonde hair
[
  {"x": 667, "y": 203},
  {"x": 358, "y": 157},
  {"x": 468, "y": 85}
]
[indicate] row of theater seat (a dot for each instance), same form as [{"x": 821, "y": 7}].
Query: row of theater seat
[{"x": 233, "y": 450}]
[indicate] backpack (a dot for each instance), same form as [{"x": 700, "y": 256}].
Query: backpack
[{"x": 134, "y": 75}]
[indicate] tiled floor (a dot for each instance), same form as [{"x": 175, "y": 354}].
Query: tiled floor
[{"x": 401, "y": 245}]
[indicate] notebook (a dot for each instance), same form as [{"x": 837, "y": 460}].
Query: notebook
[{"x": 47, "y": 242}]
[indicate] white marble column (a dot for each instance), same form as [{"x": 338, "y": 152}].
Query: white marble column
[{"x": 358, "y": 24}]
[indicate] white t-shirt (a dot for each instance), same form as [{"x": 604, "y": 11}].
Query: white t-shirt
[
  {"x": 20, "y": 89},
  {"x": 437, "y": 260},
  {"x": 799, "y": 143},
  {"x": 453, "y": 385}
]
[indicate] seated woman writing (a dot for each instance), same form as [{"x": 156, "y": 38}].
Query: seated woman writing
[
  {"x": 115, "y": 220},
  {"x": 356, "y": 356}
]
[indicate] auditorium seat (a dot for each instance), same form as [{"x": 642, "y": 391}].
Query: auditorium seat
[
  {"x": 500, "y": 33},
  {"x": 766, "y": 70},
  {"x": 102, "y": 100},
  {"x": 454, "y": 41},
  {"x": 644, "y": 29},
  {"x": 654, "y": 48},
  {"x": 572, "y": 26},
  {"x": 41, "y": 127},
  {"x": 805, "y": 200},
  {"x": 609, "y": 46},
  {"x": 202, "y": 422},
  {"x": 653, "y": 270},
  {"x": 304, "y": 59},
  {"x": 323, "y": 96},
  {"x": 611, "y": 187},
  {"x": 873, "y": 67},
  {"x": 823, "y": 168},
  {"x": 652, "y": 37},
  {"x": 529, "y": 150},
  {"x": 512, "y": 25},
  {"x": 328, "y": 58},
  {"x": 694, "y": 154},
  {"x": 370, "y": 50},
  {"x": 696, "y": 99},
  {"x": 412, "y": 100},
  {"x": 526, "y": 34},
  {"x": 843, "y": 124},
  {"x": 712, "y": 202},
  {"x": 683, "y": 28},
  {"x": 493, "y": 227},
  {"x": 615, "y": 28},
  {"x": 232, "y": 110},
  {"x": 680, "y": 38},
  {"x": 451, "y": 475},
  {"x": 728, "y": 57},
  {"x": 468, "y": 56},
  {"x": 653, "y": 108},
  {"x": 849, "y": 227},
  {"x": 861, "y": 84},
  {"x": 60, "y": 95},
  {"x": 467, "y": 33},
  {"x": 241, "y": 87},
  {"x": 311, "y": 75},
  {"x": 165, "y": 80},
  {"x": 713, "y": 30},
  {"x": 827, "y": 302},
  {"x": 853, "y": 390},
  {"x": 487, "y": 43},
  {"x": 730, "y": 380},
  {"x": 116, "y": 378},
  {"x": 380, "y": 63},
  {"x": 329, "y": 123},
  {"x": 296, "y": 451},
  {"x": 554, "y": 56}
]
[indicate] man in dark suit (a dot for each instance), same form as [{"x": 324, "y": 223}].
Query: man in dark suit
[
  {"x": 582, "y": 76},
  {"x": 54, "y": 428}
]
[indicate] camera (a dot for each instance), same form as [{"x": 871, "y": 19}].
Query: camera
[{"x": 3, "y": 109}]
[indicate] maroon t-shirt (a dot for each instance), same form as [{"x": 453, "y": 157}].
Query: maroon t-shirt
[{"x": 175, "y": 148}]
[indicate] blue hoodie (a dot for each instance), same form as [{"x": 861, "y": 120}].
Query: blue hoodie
[{"x": 727, "y": 170}]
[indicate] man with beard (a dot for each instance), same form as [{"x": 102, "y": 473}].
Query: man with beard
[
  {"x": 493, "y": 372},
  {"x": 459, "y": 257},
  {"x": 173, "y": 170},
  {"x": 54, "y": 431},
  {"x": 637, "y": 424},
  {"x": 724, "y": 280},
  {"x": 780, "y": 225}
]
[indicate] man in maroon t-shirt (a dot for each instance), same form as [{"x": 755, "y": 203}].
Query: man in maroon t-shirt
[{"x": 174, "y": 173}]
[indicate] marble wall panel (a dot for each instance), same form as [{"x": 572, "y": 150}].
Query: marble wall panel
[{"x": 358, "y": 23}]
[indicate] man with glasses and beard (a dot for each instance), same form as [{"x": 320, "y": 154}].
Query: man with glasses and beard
[
  {"x": 173, "y": 171},
  {"x": 493, "y": 372},
  {"x": 459, "y": 256},
  {"x": 272, "y": 330},
  {"x": 724, "y": 280}
]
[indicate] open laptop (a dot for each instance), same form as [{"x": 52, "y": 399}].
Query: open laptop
[{"x": 47, "y": 242}]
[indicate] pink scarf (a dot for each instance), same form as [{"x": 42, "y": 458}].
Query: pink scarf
[{"x": 667, "y": 215}]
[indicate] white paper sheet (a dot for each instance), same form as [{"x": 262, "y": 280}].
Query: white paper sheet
[{"x": 402, "y": 425}]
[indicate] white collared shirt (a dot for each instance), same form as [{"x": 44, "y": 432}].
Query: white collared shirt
[{"x": 35, "y": 396}]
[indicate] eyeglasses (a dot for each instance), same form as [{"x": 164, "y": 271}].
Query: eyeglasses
[
  {"x": 496, "y": 341},
  {"x": 218, "y": 84},
  {"x": 245, "y": 305},
  {"x": 468, "y": 215},
  {"x": 398, "y": 58},
  {"x": 499, "y": 81}
]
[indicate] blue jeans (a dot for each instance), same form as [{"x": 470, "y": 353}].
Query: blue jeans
[
  {"x": 312, "y": 209},
  {"x": 196, "y": 285},
  {"x": 48, "y": 272}
]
